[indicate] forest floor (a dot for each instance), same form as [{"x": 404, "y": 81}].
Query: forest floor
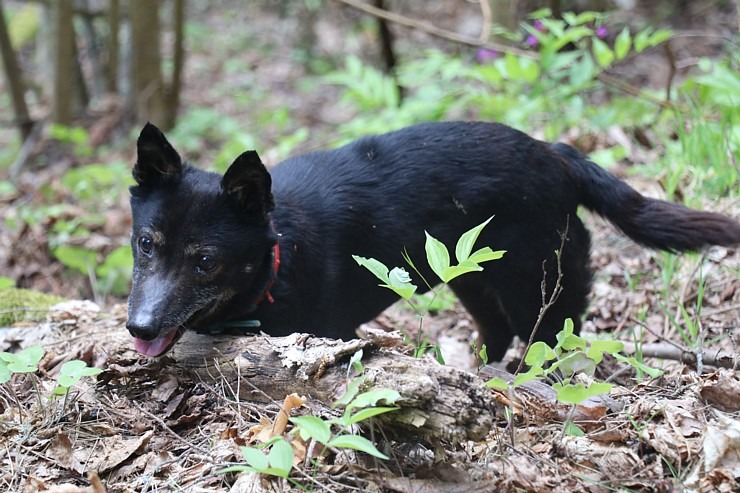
[{"x": 154, "y": 425}]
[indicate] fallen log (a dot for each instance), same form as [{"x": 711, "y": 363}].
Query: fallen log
[{"x": 437, "y": 402}]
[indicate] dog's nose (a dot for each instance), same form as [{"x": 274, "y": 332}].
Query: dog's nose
[{"x": 143, "y": 325}]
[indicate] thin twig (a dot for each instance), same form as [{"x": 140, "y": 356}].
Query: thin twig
[{"x": 548, "y": 303}]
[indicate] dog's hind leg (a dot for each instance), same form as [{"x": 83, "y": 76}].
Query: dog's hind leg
[{"x": 505, "y": 299}]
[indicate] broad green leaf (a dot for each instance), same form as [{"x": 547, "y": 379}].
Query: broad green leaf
[
  {"x": 623, "y": 43},
  {"x": 377, "y": 268},
  {"x": 485, "y": 254},
  {"x": 355, "y": 442},
  {"x": 642, "y": 40},
  {"x": 255, "y": 458},
  {"x": 532, "y": 374},
  {"x": 353, "y": 387},
  {"x": 582, "y": 70},
  {"x": 4, "y": 372},
  {"x": 74, "y": 257},
  {"x": 312, "y": 427},
  {"x": 574, "y": 362},
  {"x": 577, "y": 393},
  {"x": 280, "y": 459},
  {"x": 368, "y": 413},
  {"x": 372, "y": 397},
  {"x": 497, "y": 383},
  {"x": 539, "y": 353},
  {"x": 659, "y": 36},
  {"x": 454, "y": 271},
  {"x": 603, "y": 54},
  {"x": 437, "y": 255},
  {"x": 399, "y": 281},
  {"x": 467, "y": 240},
  {"x": 25, "y": 361},
  {"x": 597, "y": 348}
]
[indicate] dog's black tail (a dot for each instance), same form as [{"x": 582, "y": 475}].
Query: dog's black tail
[{"x": 650, "y": 222}]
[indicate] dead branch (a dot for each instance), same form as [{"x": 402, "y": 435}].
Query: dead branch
[{"x": 718, "y": 358}]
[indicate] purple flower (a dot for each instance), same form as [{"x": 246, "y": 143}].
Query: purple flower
[
  {"x": 601, "y": 32},
  {"x": 531, "y": 41},
  {"x": 539, "y": 26},
  {"x": 484, "y": 55}
]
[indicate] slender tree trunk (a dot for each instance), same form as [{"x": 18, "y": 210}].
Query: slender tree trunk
[
  {"x": 15, "y": 79},
  {"x": 63, "y": 52},
  {"x": 172, "y": 102},
  {"x": 146, "y": 75},
  {"x": 114, "y": 24}
]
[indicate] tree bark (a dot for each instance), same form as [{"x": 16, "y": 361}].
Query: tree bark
[
  {"x": 146, "y": 74},
  {"x": 63, "y": 56},
  {"x": 15, "y": 79},
  {"x": 437, "y": 402}
]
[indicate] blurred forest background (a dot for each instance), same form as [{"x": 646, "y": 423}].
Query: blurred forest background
[{"x": 631, "y": 81}]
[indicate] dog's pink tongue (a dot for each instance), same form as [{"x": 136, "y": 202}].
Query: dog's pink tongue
[{"x": 155, "y": 347}]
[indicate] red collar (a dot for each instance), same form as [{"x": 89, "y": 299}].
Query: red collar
[{"x": 275, "y": 268}]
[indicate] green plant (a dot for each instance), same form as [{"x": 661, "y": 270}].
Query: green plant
[
  {"x": 75, "y": 136},
  {"x": 571, "y": 355},
  {"x": 358, "y": 407},
  {"x": 398, "y": 279}
]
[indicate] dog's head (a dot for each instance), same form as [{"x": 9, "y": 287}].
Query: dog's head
[{"x": 202, "y": 243}]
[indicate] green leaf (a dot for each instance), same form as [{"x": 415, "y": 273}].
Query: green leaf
[
  {"x": 312, "y": 427},
  {"x": 4, "y": 372},
  {"x": 255, "y": 458},
  {"x": 498, "y": 383},
  {"x": 372, "y": 397},
  {"x": 659, "y": 36},
  {"x": 642, "y": 40},
  {"x": 280, "y": 459},
  {"x": 355, "y": 442},
  {"x": 630, "y": 360},
  {"x": 572, "y": 429},
  {"x": 368, "y": 413},
  {"x": 437, "y": 255},
  {"x": 377, "y": 267},
  {"x": 485, "y": 254},
  {"x": 353, "y": 387},
  {"x": 355, "y": 362},
  {"x": 539, "y": 353},
  {"x": 6, "y": 282},
  {"x": 74, "y": 257},
  {"x": 454, "y": 271},
  {"x": 622, "y": 44},
  {"x": 603, "y": 54},
  {"x": 582, "y": 71},
  {"x": 597, "y": 348},
  {"x": 467, "y": 240},
  {"x": 577, "y": 393},
  {"x": 399, "y": 281},
  {"x": 532, "y": 374},
  {"x": 25, "y": 361}
]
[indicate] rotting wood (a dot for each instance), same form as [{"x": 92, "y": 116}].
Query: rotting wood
[{"x": 437, "y": 402}]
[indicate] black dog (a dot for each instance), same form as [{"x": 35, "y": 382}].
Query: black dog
[{"x": 277, "y": 249}]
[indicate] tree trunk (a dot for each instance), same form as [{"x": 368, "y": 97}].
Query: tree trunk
[
  {"x": 15, "y": 79},
  {"x": 146, "y": 75},
  {"x": 63, "y": 52}
]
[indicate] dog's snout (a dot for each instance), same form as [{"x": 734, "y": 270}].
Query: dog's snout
[{"x": 142, "y": 329}]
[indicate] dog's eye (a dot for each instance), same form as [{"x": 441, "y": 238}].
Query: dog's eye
[
  {"x": 146, "y": 245},
  {"x": 205, "y": 263}
]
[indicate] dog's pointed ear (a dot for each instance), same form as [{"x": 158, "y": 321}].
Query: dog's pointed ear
[
  {"x": 248, "y": 183},
  {"x": 156, "y": 160}
]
